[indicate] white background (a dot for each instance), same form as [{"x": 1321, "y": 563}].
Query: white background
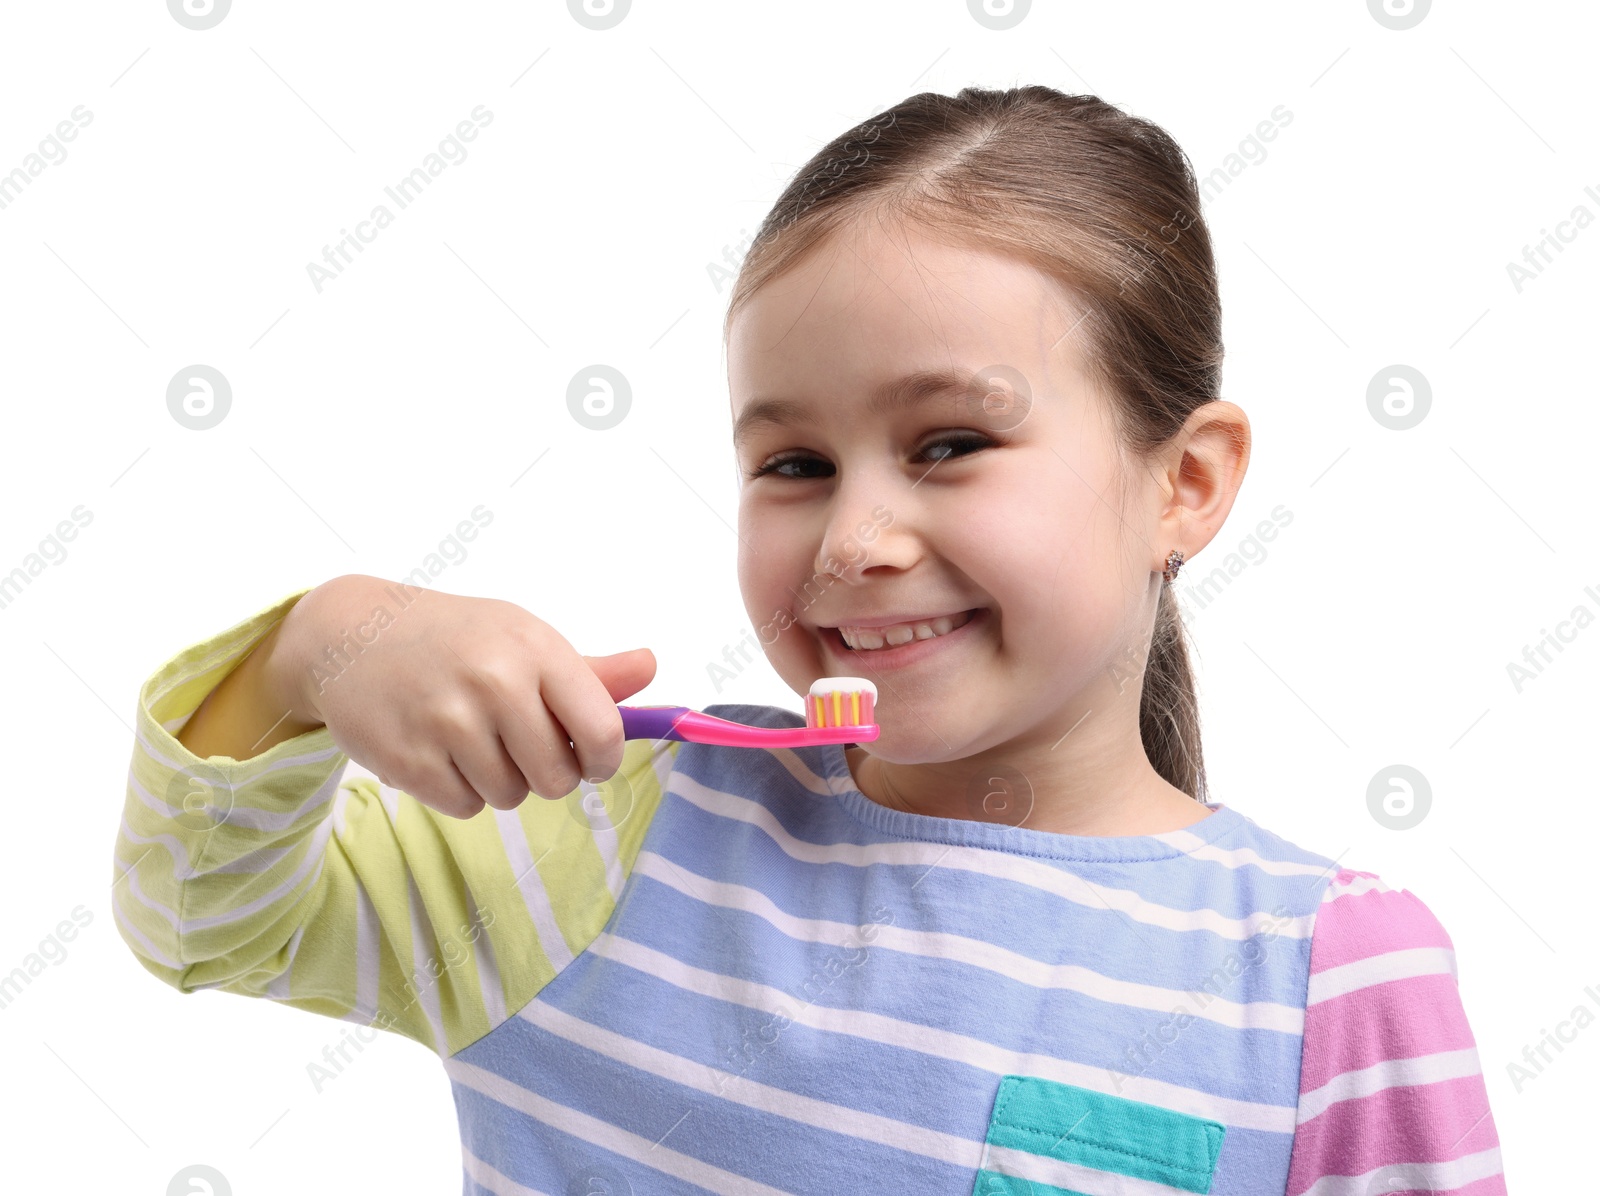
[{"x": 369, "y": 419}]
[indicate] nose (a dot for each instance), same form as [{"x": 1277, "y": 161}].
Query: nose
[{"x": 867, "y": 530}]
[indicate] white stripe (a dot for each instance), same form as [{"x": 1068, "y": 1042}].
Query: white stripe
[
  {"x": 486, "y": 1176},
  {"x": 253, "y": 818},
  {"x": 1073, "y": 1177},
  {"x": 752, "y": 1094},
  {"x": 1001, "y": 865},
  {"x": 251, "y": 863},
  {"x": 241, "y": 778},
  {"x": 1197, "y": 848},
  {"x": 368, "y": 928},
  {"x": 389, "y": 799},
  {"x": 356, "y": 771},
  {"x": 310, "y": 865},
  {"x": 490, "y": 987},
  {"x": 257, "y": 862},
  {"x": 422, "y": 977},
  {"x": 801, "y": 772},
  {"x": 1380, "y": 969},
  {"x": 605, "y": 1135},
  {"x": 514, "y": 836},
  {"x": 940, "y": 1044},
  {"x": 150, "y": 950},
  {"x": 130, "y": 882},
  {"x": 1421, "y": 1177},
  {"x": 183, "y": 875},
  {"x": 1386, "y": 1074},
  {"x": 341, "y": 802},
  {"x": 1252, "y": 1015},
  {"x": 593, "y": 806},
  {"x": 176, "y": 849},
  {"x": 277, "y": 988},
  {"x": 663, "y": 757}
]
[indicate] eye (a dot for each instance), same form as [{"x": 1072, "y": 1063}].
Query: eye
[
  {"x": 781, "y": 461},
  {"x": 970, "y": 440}
]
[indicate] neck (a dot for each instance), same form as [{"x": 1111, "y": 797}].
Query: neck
[{"x": 1096, "y": 780}]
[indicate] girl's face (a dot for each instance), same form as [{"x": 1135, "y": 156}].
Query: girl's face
[{"x": 979, "y": 514}]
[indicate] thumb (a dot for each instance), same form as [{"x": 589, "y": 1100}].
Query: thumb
[{"x": 624, "y": 673}]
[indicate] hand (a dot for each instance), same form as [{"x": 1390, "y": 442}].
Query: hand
[{"x": 461, "y": 702}]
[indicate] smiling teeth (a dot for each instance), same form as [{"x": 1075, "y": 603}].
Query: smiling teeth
[{"x": 868, "y": 638}]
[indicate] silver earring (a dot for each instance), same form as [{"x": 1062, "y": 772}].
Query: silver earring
[{"x": 1174, "y": 563}]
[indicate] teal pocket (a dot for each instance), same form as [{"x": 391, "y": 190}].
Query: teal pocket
[{"x": 1050, "y": 1139}]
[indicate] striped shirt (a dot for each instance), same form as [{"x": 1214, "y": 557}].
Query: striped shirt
[{"x": 730, "y": 971}]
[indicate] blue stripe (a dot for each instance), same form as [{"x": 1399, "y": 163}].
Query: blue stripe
[
  {"x": 1015, "y": 916},
  {"x": 973, "y": 1002},
  {"x": 760, "y": 1047},
  {"x": 724, "y": 1133}
]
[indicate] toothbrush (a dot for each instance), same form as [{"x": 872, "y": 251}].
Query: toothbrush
[{"x": 838, "y": 710}]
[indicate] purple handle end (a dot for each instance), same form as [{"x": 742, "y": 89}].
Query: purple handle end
[{"x": 651, "y": 722}]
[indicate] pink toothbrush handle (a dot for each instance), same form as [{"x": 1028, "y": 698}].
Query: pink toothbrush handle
[{"x": 682, "y": 723}]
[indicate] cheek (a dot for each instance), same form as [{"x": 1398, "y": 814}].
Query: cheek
[
  {"x": 753, "y": 553},
  {"x": 1037, "y": 541},
  {"x": 1009, "y": 540},
  {"x": 770, "y": 561},
  {"x": 749, "y": 570}
]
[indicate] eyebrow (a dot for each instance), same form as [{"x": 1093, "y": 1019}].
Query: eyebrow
[{"x": 898, "y": 395}]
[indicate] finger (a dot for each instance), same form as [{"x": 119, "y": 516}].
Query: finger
[
  {"x": 439, "y": 785},
  {"x": 587, "y": 712},
  {"x": 485, "y": 764},
  {"x": 537, "y": 744},
  {"x": 623, "y": 674}
]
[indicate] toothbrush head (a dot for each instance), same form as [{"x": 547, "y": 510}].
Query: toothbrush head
[{"x": 841, "y": 702}]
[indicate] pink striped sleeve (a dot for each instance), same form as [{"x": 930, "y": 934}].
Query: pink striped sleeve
[{"x": 1392, "y": 1098}]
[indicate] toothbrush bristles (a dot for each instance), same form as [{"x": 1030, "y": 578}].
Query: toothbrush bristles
[{"x": 841, "y": 702}]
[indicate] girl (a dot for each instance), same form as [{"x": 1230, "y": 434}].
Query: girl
[{"x": 1008, "y": 947}]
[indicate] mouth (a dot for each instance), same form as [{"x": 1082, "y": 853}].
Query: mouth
[{"x": 890, "y": 640}]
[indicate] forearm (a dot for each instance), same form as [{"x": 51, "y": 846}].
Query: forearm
[{"x": 252, "y": 709}]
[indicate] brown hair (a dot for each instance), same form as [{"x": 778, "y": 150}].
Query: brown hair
[{"x": 1103, "y": 202}]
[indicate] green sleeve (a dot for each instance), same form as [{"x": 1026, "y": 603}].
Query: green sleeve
[{"x": 268, "y": 877}]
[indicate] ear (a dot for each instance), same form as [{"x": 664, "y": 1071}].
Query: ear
[{"x": 1200, "y": 470}]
